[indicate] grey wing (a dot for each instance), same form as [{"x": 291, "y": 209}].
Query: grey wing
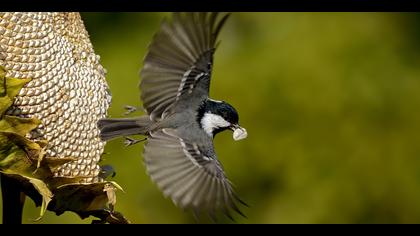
[
  {"x": 191, "y": 179},
  {"x": 177, "y": 67}
]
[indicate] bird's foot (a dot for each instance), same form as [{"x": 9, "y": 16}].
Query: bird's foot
[
  {"x": 129, "y": 109},
  {"x": 129, "y": 141}
]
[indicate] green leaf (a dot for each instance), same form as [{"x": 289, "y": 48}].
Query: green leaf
[
  {"x": 5, "y": 103},
  {"x": 9, "y": 88},
  {"x": 14, "y": 86},
  {"x": 20, "y": 126},
  {"x": 13, "y": 160},
  {"x": 2, "y": 86},
  {"x": 93, "y": 195},
  {"x": 33, "y": 148},
  {"x": 45, "y": 192}
]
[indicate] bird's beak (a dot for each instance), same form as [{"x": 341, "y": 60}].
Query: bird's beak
[{"x": 238, "y": 132}]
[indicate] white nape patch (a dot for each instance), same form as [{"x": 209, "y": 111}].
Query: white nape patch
[
  {"x": 217, "y": 101},
  {"x": 210, "y": 122}
]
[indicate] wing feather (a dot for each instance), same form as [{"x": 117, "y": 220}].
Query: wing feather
[
  {"x": 183, "y": 172},
  {"x": 178, "y": 60}
]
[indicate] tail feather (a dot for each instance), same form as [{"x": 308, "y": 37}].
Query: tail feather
[{"x": 117, "y": 127}]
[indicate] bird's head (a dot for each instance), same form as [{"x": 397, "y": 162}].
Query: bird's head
[{"x": 217, "y": 116}]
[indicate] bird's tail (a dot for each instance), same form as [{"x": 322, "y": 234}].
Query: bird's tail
[{"x": 117, "y": 127}]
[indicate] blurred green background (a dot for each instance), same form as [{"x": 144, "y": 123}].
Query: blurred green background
[{"x": 331, "y": 102}]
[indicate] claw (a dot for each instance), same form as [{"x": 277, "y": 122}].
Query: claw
[
  {"x": 130, "y": 109},
  {"x": 129, "y": 141}
]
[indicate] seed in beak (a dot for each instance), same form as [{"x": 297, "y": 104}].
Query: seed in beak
[{"x": 239, "y": 132}]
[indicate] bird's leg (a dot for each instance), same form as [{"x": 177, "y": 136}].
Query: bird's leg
[
  {"x": 130, "y": 109},
  {"x": 105, "y": 153},
  {"x": 129, "y": 141}
]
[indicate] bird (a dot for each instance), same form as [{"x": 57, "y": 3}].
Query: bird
[{"x": 182, "y": 120}]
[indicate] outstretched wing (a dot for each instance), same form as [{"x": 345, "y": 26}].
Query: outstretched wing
[
  {"x": 177, "y": 67},
  {"x": 185, "y": 174}
]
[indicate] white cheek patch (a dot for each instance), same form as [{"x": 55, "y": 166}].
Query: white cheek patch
[{"x": 210, "y": 122}]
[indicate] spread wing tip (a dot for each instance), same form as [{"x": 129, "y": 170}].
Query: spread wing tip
[{"x": 192, "y": 182}]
